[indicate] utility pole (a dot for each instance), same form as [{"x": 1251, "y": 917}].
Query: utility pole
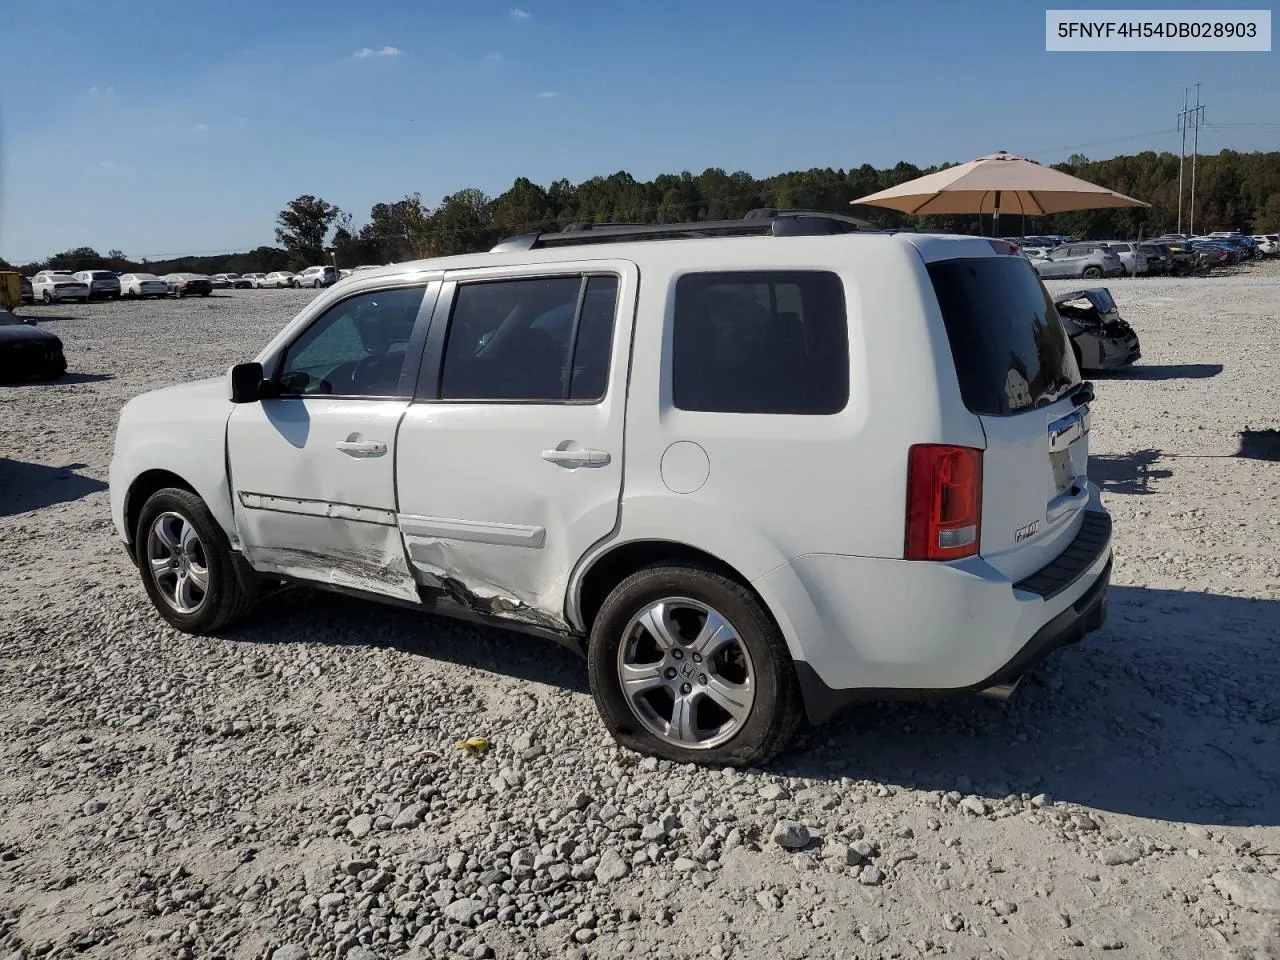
[
  {"x": 1182, "y": 153},
  {"x": 1197, "y": 118}
]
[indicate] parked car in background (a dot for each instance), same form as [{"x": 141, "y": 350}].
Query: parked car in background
[
  {"x": 1210, "y": 254},
  {"x": 1100, "y": 339},
  {"x": 27, "y": 293},
  {"x": 1181, "y": 257},
  {"x": 1268, "y": 243},
  {"x": 1087, "y": 261},
  {"x": 27, "y": 352},
  {"x": 317, "y": 277},
  {"x": 188, "y": 284},
  {"x": 239, "y": 281},
  {"x": 101, "y": 283},
  {"x": 1130, "y": 256},
  {"x": 253, "y": 279},
  {"x": 1159, "y": 259},
  {"x": 143, "y": 285},
  {"x": 277, "y": 279},
  {"x": 51, "y": 287},
  {"x": 221, "y": 281}
]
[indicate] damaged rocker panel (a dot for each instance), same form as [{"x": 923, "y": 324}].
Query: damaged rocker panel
[{"x": 318, "y": 508}]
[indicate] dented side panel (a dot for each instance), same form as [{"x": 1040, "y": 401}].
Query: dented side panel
[{"x": 307, "y": 509}]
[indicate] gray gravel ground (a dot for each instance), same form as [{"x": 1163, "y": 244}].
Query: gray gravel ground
[{"x": 293, "y": 789}]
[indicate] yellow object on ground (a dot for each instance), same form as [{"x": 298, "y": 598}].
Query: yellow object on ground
[{"x": 474, "y": 745}]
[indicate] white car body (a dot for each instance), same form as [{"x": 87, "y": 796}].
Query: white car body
[
  {"x": 255, "y": 279},
  {"x": 143, "y": 285},
  {"x": 317, "y": 277},
  {"x": 100, "y": 282},
  {"x": 277, "y": 279},
  {"x": 52, "y": 286},
  {"x": 524, "y": 509},
  {"x": 1125, "y": 250},
  {"x": 1268, "y": 244}
]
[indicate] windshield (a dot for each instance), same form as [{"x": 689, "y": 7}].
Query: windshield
[{"x": 1009, "y": 348}]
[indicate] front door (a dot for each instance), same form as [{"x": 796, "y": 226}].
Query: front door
[
  {"x": 312, "y": 469},
  {"x": 510, "y": 460}
]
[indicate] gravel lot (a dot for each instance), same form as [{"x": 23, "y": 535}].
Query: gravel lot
[{"x": 294, "y": 790}]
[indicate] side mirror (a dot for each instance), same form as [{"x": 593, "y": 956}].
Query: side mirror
[{"x": 244, "y": 383}]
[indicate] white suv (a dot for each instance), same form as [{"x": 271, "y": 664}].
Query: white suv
[
  {"x": 317, "y": 277},
  {"x": 754, "y": 469}
]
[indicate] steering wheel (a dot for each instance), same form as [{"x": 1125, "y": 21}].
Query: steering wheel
[{"x": 376, "y": 374}]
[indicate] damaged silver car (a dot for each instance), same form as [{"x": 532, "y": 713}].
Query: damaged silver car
[{"x": 1100, "y": 339}]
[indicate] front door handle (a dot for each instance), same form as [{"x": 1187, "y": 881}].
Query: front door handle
[
  {"x": 576, "y": 458},
  {"x": 362, "y": 448}
]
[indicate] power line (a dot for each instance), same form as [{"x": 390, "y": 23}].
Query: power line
[{"x": 1100, "y": 143}]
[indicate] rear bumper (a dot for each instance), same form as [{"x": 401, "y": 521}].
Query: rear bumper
[{"x": 867, "y": 629}]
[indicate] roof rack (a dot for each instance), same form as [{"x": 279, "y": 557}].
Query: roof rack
[{"x": 763, "y": 221}]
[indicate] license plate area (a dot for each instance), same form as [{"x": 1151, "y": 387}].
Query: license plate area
[{"x": 1063, "y": 435}]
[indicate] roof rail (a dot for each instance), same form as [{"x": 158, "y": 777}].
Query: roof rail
[{"x": 764, "y": 221}]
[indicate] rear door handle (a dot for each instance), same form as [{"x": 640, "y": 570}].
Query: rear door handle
[
  {"x": 362, "y": 448},
  {"x": 576, "y": 458}
]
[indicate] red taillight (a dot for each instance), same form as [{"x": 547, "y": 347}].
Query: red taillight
[{"x": 944, "y": 502}]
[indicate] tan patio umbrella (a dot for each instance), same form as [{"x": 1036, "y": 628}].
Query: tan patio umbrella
[{"x": 999, "y": 183}]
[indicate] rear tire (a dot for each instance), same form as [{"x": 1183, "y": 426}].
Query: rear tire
[
  {"x": 772, "y": 693},
  {"x": 229, "y": 589},
  {"x": 1091, "y": 273}
]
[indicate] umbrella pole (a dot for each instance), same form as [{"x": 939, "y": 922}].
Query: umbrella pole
[{"x": 995, "y": 217}]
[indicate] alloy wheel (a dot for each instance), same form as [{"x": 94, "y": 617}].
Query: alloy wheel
[
  {"x": 177, "y": 562},
  {"x": 686, "y": 673}
]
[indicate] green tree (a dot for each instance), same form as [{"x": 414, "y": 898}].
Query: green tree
[{"x": 303, "y": 226}]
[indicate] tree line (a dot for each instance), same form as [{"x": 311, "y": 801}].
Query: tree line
[{"x": 1233, "y": 191}]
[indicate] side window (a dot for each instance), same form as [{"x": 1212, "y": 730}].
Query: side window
[
  {"x": 545, "y": 339},
  {"x": 761, "y": 342},
  {"x": 356, "y": 349}
]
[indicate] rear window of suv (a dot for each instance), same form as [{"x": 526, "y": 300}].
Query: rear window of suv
[
  {"x": 774, "y": 342},
  {"x": 1010, "y": 350}
]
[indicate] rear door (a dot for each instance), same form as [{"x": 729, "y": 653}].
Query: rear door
[
  {"x": 1017, "y": 373},
  {"x": 509, "y": 463}
]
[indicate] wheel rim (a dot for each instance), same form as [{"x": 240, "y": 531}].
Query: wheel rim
[
  {"x": 686, "y": 673},
  {"x": 177, "y": 562}
]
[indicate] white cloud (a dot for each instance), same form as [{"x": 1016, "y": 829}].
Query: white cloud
[
  {"x": 106, "y": 164},
  {"x": 364, "y": 53},
  {"x": 96, "y": 92},
  {"x": 200, "y": 127},
  {"x": 518, "y": 14},
  {"x": 546, "y": 94},
  {"x": 493, "y": 57}
]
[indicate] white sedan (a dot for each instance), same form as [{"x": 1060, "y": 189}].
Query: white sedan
[
  {"x": 255, "y": 279},
  {"x": 143, "y": 285},
  {"x": 52, "y": 287},
  {"x": 280, "y": 278}
]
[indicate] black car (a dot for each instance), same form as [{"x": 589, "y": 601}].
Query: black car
[
  {"x": 28, "y": 293},
  {"x": 28, "y": 352},
  {"x": 188, "y": 284}
]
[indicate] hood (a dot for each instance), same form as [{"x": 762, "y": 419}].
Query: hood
[
  {"x": 24, "y": 332},
  {"x": 165, "y": 403}
]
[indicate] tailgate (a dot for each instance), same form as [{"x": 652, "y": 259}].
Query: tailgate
[
  {"x": 1035, "y": 485},
  {"x": 1016, "y": 372}
]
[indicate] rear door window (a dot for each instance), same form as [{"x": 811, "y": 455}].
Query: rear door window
[
  {"x": 761, "y": 342},
  {"x": 1010, "y": 351}
]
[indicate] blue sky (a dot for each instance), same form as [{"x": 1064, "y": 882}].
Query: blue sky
[{"x": 164, "y": 128}]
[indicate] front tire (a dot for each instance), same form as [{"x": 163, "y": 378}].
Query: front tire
[
  {"x": 188, "y": 568},
  {"x": 708, "y": 676}
]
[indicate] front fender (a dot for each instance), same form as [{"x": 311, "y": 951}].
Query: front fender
[{"x": 199, "y": 462}]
